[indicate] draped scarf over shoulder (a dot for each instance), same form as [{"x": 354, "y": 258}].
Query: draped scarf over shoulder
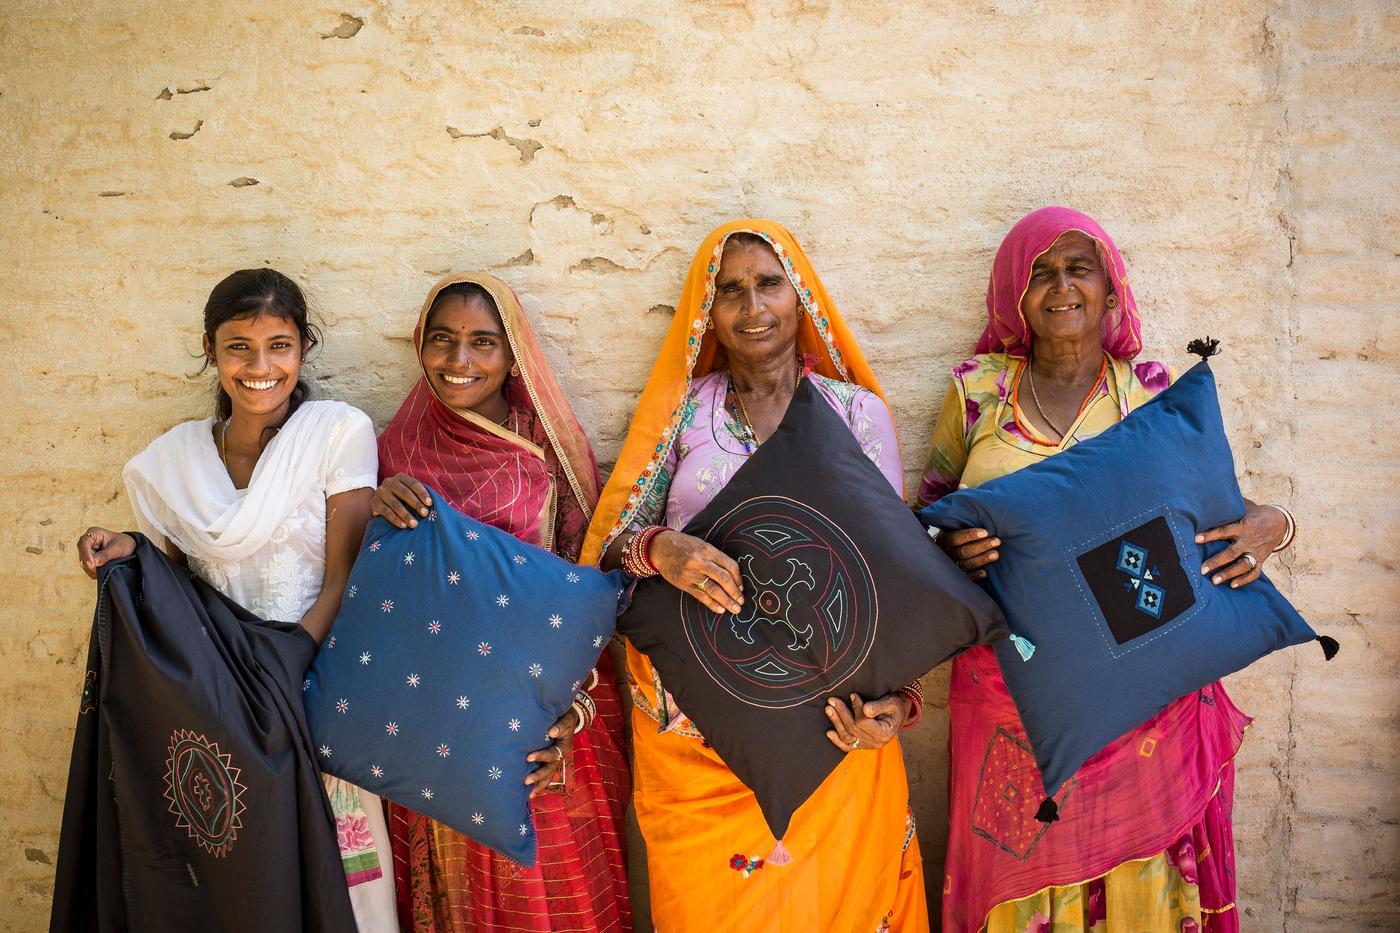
[
  {"x": 691, "y": 350},
  {"x": 540, "y": 484},
  {"x": 1007, "y": 330}
]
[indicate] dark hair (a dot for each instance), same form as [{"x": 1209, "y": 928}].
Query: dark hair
[
  {"x": 464, "y": 290},
  {"x": 248, "y": 293},
  {"x": 745, "y": 238}
]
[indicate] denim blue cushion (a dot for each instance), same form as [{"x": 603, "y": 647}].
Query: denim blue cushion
[
  {"x": 1101, "y": 574},
  {"x": 457, "y": 646}
]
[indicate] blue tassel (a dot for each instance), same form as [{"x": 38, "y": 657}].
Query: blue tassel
[{"x": 1023, "y": 647}]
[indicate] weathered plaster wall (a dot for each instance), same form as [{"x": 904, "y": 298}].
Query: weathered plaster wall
[{"x": 1243, "y": 153}]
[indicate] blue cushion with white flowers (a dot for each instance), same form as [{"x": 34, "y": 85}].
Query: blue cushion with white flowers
[{"x": 457, "y": 646}]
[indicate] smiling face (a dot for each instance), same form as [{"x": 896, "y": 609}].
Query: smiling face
[
  {"x": 259, "y": 360},
  {"x": 466, "y": 356},
  {"x": 1068, "y": 290},
  {"x": 755, "y": 306}
]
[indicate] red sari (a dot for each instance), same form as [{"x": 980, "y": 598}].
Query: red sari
[{"x": 536, "y": 478}]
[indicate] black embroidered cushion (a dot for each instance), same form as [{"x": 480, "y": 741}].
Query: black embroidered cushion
[
  {"x": 844, "y": 593},
  {"x": 1100, "y": 575}
]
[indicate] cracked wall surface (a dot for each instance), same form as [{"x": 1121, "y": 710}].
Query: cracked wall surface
[{"x": 1244, "y": 154}]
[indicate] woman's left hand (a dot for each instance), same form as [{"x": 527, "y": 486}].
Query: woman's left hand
[
  {"x": 865, "y": 725},
  {"x": 1256, "y": 535},
  {"x": 551, "y": 757}
]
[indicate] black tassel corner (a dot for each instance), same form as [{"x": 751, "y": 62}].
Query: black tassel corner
[
  {"x": 1204, "y": 348},
  {"x": 1329, "y": 646},
  {"x": 1049, "y": 811}
]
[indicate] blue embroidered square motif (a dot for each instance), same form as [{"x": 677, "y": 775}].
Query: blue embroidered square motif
[
  {"x": 457, "y": 646},
  {"x": 1150, "y": 599},
  {"x": 1100, "y": 572},
  {"x": 1131, "y": 559}
]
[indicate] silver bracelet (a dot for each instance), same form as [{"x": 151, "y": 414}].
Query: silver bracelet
[{"x": 1292, "y": 527}]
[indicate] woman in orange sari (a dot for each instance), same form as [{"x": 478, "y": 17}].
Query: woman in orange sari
[
  {"x": 752, "y": 321},
  {"x": 488, "y": 428}
]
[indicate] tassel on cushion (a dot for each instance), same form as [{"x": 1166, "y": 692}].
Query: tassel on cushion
[
  {"x": 1023, "y": 647},
  {"x": 1329, "y": 646},
  {"x": 779, "y": 856},
  {"x": 1204, "y": 348},
  {"x": 1049, "y": 811}
]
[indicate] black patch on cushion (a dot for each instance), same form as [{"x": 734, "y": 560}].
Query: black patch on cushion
[{"x": 1137, "y": 580}]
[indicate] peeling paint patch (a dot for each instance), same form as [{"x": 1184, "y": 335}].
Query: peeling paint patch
[
  {"x": 244, "y": 182},
  {"x": 526, "y": 258},
  {"x": 667, "y": 310},
  {"x": 526, "y": 147},
  {"x": 176, "y": 134},
  {"x": 38, "y": 855},
  {"x": 113, "y": 194},
  {"x": 529, "y": 31},
  {"x": 597, "y": 264},
  {"x": 346, "y": 28},
  {"x": 168, "y": 92}
]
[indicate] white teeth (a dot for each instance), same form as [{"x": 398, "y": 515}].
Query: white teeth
[
  {"x": 259, "y": 384},
  {"x": 460, "y": 380},
  {"x": 755, "y": 330}
]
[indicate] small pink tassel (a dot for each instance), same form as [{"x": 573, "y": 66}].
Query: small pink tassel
[{"x": 779, "y": 856}]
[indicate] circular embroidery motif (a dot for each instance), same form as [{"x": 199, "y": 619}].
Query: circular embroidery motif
[
  {"x": 204, "y": 793},
  {"x": 809, "y": 614}
]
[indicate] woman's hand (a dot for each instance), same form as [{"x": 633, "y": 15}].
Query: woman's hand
[
  {"x": 397, "y": 500},
  {"x": 866, "y": 725},
  {"x": 551, "y": 757},
  {"x": 1252, "y": 541},
  {"x": 98, "y": 546},
  {"x": 700, "y": 569},
  {"x": 971, "y": 549}
]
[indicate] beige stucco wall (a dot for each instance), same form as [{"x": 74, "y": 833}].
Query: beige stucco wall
[{"x": 1243, "y": 153}]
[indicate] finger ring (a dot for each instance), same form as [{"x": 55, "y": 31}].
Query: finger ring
[
  {"x": 702, "y": 584},
  {"x": 855, "y": 744},
  {"x": 1253, "y": 562},
  {"x": 561, "y": 753}
]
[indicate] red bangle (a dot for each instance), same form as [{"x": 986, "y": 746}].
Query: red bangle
[
  {"x": 636, "y": 555},
  {"x": 915, "y": 693}
]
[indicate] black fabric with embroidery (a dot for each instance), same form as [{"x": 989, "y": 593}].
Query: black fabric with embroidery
[
  {"x": 194, "y": 801},
  {"x": 844, "y": 593},
  {"x": 1137, "y": 580}
]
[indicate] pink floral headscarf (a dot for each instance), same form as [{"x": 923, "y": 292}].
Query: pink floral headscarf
[{"x": 1007, "y": 330}]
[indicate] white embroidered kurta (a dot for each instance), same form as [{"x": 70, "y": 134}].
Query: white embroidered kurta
[{"x": 264, "y": 547}]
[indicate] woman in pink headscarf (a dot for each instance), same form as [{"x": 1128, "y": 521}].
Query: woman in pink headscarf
[{"x": 1148, "y": 846}]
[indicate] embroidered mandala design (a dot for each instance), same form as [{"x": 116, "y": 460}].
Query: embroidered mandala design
[
  {"x": 812, "y": 615},
  {"x": 205, "y": 795}
]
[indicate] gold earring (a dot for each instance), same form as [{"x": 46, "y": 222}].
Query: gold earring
[
  {"x": 1112, "y": 302},
  {"x": 515, "y": 369}
]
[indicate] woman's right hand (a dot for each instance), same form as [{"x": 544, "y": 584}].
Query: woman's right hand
[
  {"x": 686, "y": 562},
  {"x": 98, "y": 546},
  {"x": 971, "y": 549},
  {"x": 398, "y": 498}
]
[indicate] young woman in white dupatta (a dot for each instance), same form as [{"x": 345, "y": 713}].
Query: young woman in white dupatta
[{"x": 268, "y": 504}]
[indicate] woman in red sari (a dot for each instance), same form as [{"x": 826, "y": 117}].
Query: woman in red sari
[{"x": 488, "y": 428}]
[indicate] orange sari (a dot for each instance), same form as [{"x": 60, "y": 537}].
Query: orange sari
[{"x": 855, "y": 860}]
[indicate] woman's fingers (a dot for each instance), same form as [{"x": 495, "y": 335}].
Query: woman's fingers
[
  {"x": 393, "y": 501},
  {"x": 564, "y": 725},
  {"x": 963, "y": 536},
  {"x": 976, "y": 548},
  {"x": 421, "y": 499},
  {"x": 980, "y": 561},
  {"x": 1234, "y": 571},
  {"x": 1221, "y": 533},
  {"x": 1254, "y": 573},
  {"x": 1223, "y": 559},
  {"x": 551, "y": 761},
  {"x": 98, "y": 547}
]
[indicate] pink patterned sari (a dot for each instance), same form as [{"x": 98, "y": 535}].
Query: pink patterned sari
[{"x": 1148, "y": 818}]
